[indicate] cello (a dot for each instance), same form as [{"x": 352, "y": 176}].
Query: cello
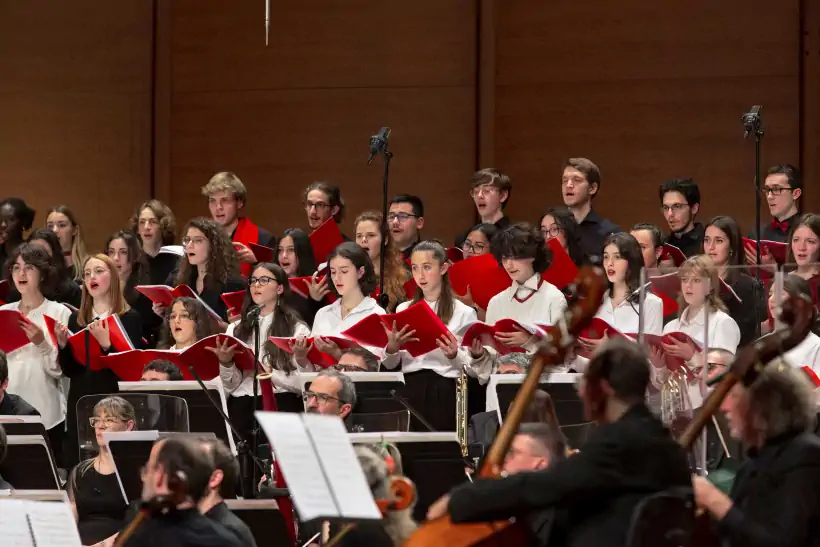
[{"x": 585, "y": 299}]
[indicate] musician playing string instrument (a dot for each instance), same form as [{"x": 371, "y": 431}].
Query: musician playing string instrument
[
  {"x": 628, "y": 457},
  {"x": 775, "y": 499}
]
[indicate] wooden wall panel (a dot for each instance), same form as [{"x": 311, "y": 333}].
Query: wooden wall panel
[
  {"x": 303, "y": 109},
  {"x": 649, "y": 91},
  {"x": 75, "y": 105}
]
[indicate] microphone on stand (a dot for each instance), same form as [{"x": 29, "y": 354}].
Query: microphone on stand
[
  {"x": 751, "y": 121},
  {"x": 378, "y": 143},
  {"x": 254, "y": 312}
]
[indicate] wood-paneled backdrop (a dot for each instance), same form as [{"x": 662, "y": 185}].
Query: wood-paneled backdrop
[{"x": 104, "y": 104}]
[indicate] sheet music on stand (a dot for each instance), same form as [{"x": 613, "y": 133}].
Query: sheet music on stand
[
  {"x": 28, "y": 521},
  {"x": 320, "y": 466}
]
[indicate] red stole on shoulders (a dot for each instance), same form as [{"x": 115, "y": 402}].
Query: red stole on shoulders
[{"x": 246, "y": 232}]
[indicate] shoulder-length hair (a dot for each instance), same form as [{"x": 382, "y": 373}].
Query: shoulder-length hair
[
  {"x": 63, "y": 282},
  {"x": 303, "y": 249},
  {"x": 630, "y": 250},
  {"x": 37, "y": 257},
  {"x": 731, "y": 229},
  {"x": 810, "y": 221},
  {"x": 118, "y": 304},
  {"x": 136, "y": 258},
  {"x": 205, "y": 324},
  {"x": 167, "y": 222},
  {"x": 781, "y": 401},
  {"x": 334, "y": 197},
  {"x": 222, "y": 259},
  {"x": 78, "y": 248},
  {"x": 395, "y": 272},
  {"x": 522, "y": 240},
  {"x": 360, "y": 259},
  {"x": 285, "y": 321},
  {"x": 446, "y": 300},
  {"x": 703, "y": 266},
  {"x": 567, "y": 223}
]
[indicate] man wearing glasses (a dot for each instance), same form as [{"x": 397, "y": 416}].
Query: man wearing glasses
[
  {"x": 332, "y": 394},
  {"x": 490, "y": 190},
  {"x": 782, "y": 190},
  {"x": 680, "y": 203},
  {"x": 357, "y": 360},
  {"x": 405, "y": 219}
]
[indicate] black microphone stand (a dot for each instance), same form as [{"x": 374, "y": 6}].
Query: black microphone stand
[
  {"x": 255, "y": 431},
  {"x": 753, "y": 124},
  {"x": 378, "y": 144}
]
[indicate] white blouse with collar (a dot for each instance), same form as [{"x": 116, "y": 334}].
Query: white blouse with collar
[
  {"x": 723, "y": 330},
  {"x": 329, "y": 321},
  {"x": 34, "y": 371},
  {"x": 536, "y": 301}
]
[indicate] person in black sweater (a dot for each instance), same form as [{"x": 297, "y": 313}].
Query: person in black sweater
[
  {"x": 221, "y": 486},
  {"x": 629, "y": 456},
  {"x": 93, "y": 487},
  {"x": 11, "y": 404},
  {"x": 102, "y": 297},
  {"x": 124, "y": 249},
  {"x": 209, "y": 266},
  {"x": 154, "y": 223},
  {"x": 680, "y": 203},
  {"x": 180, "y": 469},
  {"x": 295, "y": 255},
  {"x": 775, "y": 498}
]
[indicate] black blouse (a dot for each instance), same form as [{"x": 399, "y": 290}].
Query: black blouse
[
  {"x": 751, "y": 311},
  {"x": 211, "y": 294},
  {"x": 100, "y": 506}
]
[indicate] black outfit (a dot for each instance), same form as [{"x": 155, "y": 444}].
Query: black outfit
[
  {"x": 14, "y": 405},
  {"x": 483, "y": 428},
  {"x": 434, "y": 397},
  {"x": 264, "y": 238},
  {"x": 182, "y": 528},
  {"x": 85, "y": 381},
  {"x": 776, "y": 230},
  {"x": 221, "y": 514},
  {"x": 593, "y": 230},
  {"x": 596, "y": 490},
  {"x": 305, "y": 307},
  {"x": 776, "y": 495},
  {"x": 690, "y": 243},
  {"x": 160, "y": 267},
  {"x": 501, "y": 223},
  {"x": 408, "y": 252},
  {"x": 100, "y": 507},
  {"x": 751, "y": 310},
  {"x": 212, "y": 292}
]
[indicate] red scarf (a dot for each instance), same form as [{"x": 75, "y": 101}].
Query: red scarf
[{"x": 246, "y": 232}]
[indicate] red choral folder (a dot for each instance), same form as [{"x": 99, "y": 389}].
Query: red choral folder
[
  {"x": 119, "y": 340},
  {"x": 262, "y": 252},
  {"x": 4, "y": 291},
  {"x": 12, "y": 336},
  {"x": 656, "y": 341},
  {"x": 777, "y": 249},
  {"x": 597, "y": 329},
  {"x": 673, "y": 253},
  {"x": 482, "y": 274},
  {"x": 128, "y": 365},
  {"x": 301, "y": 286},
  {"x": 234, "y": 302},
  {"x": 418, "y": 317},
  {"x": 454, "y": 254},
  {"x": 563, "y": 270},
  {"x": 486, "y": 334},
  {"x": 315, "y": 356},
  {"x": 165, "y": 295},
  {"x": 324, "y": 239}
]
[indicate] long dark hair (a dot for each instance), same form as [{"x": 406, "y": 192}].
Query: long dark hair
[
  {"x": 205, "y": 324},
  {"x": 222, "y": 260},
  {"x": 360, "y": 259},
  {"x": 630, "y": 250},
  {"x": 165, "y": 217},
  {"x": 566, "y": 221},
  {"x": 446, "y": 300},
  {"x": 64, "y": 285},
  {"x": 285, "y": 320},
  {"x": 730, "y": 227},
  {"x": 303, "y": 250},
  {"x": 136, "y": 258}
]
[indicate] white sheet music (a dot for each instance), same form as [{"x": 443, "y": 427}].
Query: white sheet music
[
  {"x": 14, "y": 526},
  {"x": 342, "y": 467},
  {"x": 25, "y": 523}
]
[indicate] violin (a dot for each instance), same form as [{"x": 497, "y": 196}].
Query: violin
[{"x": 585, "y": 298}]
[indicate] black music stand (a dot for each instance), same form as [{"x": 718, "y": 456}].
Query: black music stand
[
  {"x": 266, "y": 522},
  {"x": 372, "y": 390},
  {"x": 202, "y": 416},
  {"x": 29, "y": 463},
  {"x": 433, "y": 461}
]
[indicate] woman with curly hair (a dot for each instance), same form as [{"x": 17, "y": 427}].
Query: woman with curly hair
[
  {"x": 209, "y": 266},
  {"x": 186, "y": 323},
  {"x": 369, "y": 236}
]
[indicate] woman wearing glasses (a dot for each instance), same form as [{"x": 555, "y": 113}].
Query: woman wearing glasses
[
  {"x": 93, "y": 488},
  {"x": 559, "y": 223},
  {"x": 268, "y": 289},
  {"x": 477, "y": 243},
  {"x": 368, "y": 227},
  {"x": 63, "y": 222},
  {"x": 102, "y": 297},
  {"x": 209, "y": 266}
]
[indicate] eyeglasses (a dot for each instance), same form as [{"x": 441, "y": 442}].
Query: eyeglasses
[
  {"x": 675, "y": 207},
  {"x": 261, "y": 281},
  {"x": 348, "y": 368},
  {"x": 193, "y": 240},
  {"x": 401, "y": 217},
  {"x": 485, "y": 190},
  {"x": 477, "y": 248},
  {"x": 316, "y": 205},
  {"x": 551, "y": 232},
  {"x": 320, "y": 397},
  {"x": 27, "y": 268},
  {"x": 107, "y": 422},
  {"x": 96, "y": 271},
  {"x": 774, "y": 190}
]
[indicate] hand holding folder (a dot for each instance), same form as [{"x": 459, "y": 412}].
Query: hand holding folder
[
  {"x": 262, "y": 252},
  {"x": 597, "y": 330},
  {"x": 165, "y": 295},
  {"x": 315, "y": 356},
  {"x": 418, "y": 318},
  {"x": 77, "y": 341},
  {"x": 776, "y": 249},
  {"x": 12, "y": 335},
  {"x": 234, "y": 301},
  {"x": 481, "y": 275},
  {"x": 324, "y": 239},
  {"x": 666, "y": 345},
  {"x": 486, "y": 334},
  {"x": 670, "y": 252},
  {"x": 562, "y": 271}
]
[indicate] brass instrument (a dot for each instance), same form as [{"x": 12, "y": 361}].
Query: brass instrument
[{"x": 462, "y": 414}]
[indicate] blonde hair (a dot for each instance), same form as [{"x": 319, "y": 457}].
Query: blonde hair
[
  {"x": 115, "y": 294},
  {"x": 77, "y": 241},
  {"x": 225, "y": 181},
  {"x": 395, "y": 274},
  {"x": 399, "y": 525},
  {"x": 703, "y": 266}
]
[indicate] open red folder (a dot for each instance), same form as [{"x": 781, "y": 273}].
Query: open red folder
[
  {"x": 657, "y": 341},
  {"x": 315, "y": 356},
  {"x": 778, "y": 250},
  {"x": 597, "y": 329},
  {"x": 670, "y": 252},
  {"x": 486, "y": 334},
  {"x": 562, "y": 271},
  {"x": 234, "y": 301},
  {"x": 165, "y": 295},
  {"x": 262, "y": 252},
  {"x": 301, "y": 286},
  {"x": 324, "y": 239},
  {"x": 119, "y": 339},
  {"x": 482, "y": 274},
  {"x": 4, "y": 291},
  {"x": 418, "y": 317},
  {"x": 454, "y": 254},
  {"x": 12, "y": 335},
  {"x": 128, "y": 365}
]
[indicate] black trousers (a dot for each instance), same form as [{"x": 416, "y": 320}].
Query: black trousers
[{"x": 434, "y": 397}]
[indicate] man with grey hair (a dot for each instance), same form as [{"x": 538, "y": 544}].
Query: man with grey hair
[
  {"x": 331, "y": 393},
  {"x": 357, "y": 359},
  {"x": 775, "y": 499}
]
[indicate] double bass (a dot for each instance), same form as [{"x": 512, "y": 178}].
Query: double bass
[{"x": 585, "y": 299}]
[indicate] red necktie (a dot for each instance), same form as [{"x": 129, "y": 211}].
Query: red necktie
[{"x": 782, "y": 226}]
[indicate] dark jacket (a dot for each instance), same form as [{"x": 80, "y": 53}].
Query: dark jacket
[
  {"x": 596, "y": 490},
  {"x": 224, "y": 516},
  {"x": 777, "y": 496},
  {"x": 14, "y": 405}
]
